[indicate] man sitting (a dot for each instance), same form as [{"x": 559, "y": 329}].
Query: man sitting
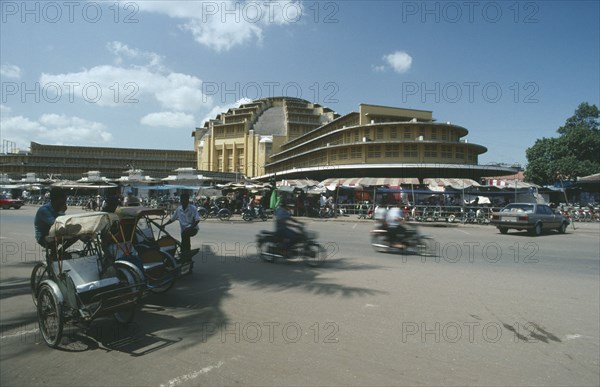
[
  {"x": 283, "y": 221},
  {"x": 46, "y": 216},
  {"x": 395, "y": 227}
]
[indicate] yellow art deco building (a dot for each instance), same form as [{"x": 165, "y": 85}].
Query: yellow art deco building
[{"x": 293, "y": 138}]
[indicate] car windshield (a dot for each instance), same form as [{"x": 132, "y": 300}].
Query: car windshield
[{"x": 518, "y": 208}]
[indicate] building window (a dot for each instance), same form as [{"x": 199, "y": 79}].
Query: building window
[
  {"x": 434, "y": 133},
  {"x": 356, "y": 135},
  {"x": 392, "y": 150},
  {"x": 460, "y": 154},
  {"x": 430, "y": 151},
  {"x": 410, "y": 150},
  {"x": 393, "y": 133},
  {"x": 343, "y": 154},
  {"x": 220, "y": 161},
  {"x": 356, "y": 152},
  {"x": 379, "y": 134},
  {"x": 446, "y": 152},
  {"x": 374, "y": 151},
  {"x": 422, "y": 133},
  {"x": 333, "y": 155},
  {"x": 407, "y": 133},
  {"x": 444, "y": 135}
]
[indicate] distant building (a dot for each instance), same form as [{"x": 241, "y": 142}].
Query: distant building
[
  {"x": 292, "y": 138},
  {"x": 73, "y": 162}
]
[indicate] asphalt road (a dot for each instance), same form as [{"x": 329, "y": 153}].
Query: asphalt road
[{"x": 490, "y": 309}]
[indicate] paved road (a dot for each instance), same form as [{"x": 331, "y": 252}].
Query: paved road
[{"x": 491, "y": 309}]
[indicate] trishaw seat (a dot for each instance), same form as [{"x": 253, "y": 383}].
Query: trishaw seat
[{"x": 84, "y": 272}]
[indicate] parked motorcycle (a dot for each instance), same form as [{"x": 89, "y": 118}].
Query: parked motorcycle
[
  {"x": 413, "y": 240},
  {"x": 214, "y": 212},
  {"x": 270, "y": 247},
  {"x": 251, "y": 213}
]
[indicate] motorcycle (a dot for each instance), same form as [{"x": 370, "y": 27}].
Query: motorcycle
[
  {"x": 214, "y": 212},
  {"x": 270, "y": 247},
  {"x": 251, "y": 213},
  {"x": 412, "y": 241}
]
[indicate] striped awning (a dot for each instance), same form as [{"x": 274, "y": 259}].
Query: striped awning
[
  {"x": 441, "y": 184},
  {"x": 511, "y": 184},
  {"x": 300, "y": 183},
  {"x": 369, "y": 181}
]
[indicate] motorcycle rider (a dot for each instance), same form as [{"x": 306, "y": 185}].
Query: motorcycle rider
[
  {"x": 283, "y": 221},
  {"x": 394, "y": 219}
]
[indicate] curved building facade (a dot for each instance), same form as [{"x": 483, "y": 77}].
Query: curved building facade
[
  {"x": 243, "y": 139},
  {"x": 292, "y": 138}
]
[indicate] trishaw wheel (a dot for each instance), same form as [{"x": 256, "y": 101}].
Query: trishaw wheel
[
  {"x": 314, "y": 254},
  {"x": 38, "y": 274},
  {"x": 169, "y": 265},
  {"x": 129, "y": 277},
  {"x": 163, "y": 288},
  {"x": 50, "y": 316}
]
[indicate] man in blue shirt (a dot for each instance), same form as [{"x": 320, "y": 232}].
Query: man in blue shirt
[{"x": 47, "y": 214}]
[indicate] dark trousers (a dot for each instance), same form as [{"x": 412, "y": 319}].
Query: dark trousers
[{"x": 186, "y": 236}]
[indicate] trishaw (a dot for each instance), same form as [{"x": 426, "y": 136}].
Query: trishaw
[
  {"x": 80, "y": 279},
  {"x": 144, "y": 241}
]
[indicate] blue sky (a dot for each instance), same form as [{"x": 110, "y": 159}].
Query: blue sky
[{"x": 146, "y": 73}]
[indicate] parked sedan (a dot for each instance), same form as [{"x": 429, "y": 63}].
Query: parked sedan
[{"x": 535, "y": 218}]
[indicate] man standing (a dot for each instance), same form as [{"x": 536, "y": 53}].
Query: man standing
[
  {"x": 188, "y": 217},
  {"x": 46, "y": 215}
]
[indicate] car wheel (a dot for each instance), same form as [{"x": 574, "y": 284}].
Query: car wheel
[
  {"x": 503, "y": 230},
  {"x": 563, "y": 228},
  {"x": 537, "y": 230}
]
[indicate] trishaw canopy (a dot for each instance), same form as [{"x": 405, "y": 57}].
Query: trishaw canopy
[{"x": 76, "y": 225}]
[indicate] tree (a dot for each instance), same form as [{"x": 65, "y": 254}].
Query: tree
[{"x": 575, "y": 152}]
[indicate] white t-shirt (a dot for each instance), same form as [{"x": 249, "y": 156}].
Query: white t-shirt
[
  {"x": 393, "y": 216},
  {"x": 186, "y": 217}
]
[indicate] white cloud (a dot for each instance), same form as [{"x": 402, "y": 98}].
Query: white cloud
[
  {"x": 10, "y": 71},
  {"x": 224, "y": 24},
  {"x": 52, "y": 128},
  {"x": 215, "y": 111},
  {"x": 5, "y": 110},
  {"x": 121, "y": 50},
  {"x": 169, "y": 120},
  {"x": 107, "y": 85},
  {"x": 399, "y": 61}
]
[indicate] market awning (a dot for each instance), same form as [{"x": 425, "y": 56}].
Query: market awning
[
  {"x": 440, "y": 185},
  {"x": 369, "y": 181},
  {"x": 298, "y": 183},
  {"x": 511, "y": 184},
  {"x": 74, "y": 184}
]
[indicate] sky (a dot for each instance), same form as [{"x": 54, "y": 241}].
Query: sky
[{"x": 146, "y": 73}]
